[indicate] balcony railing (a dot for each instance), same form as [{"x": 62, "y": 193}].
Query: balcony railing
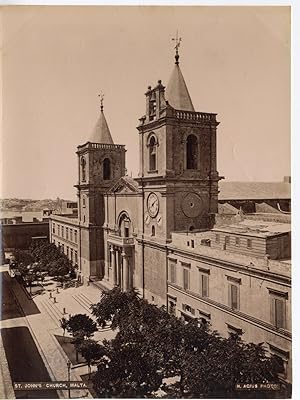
[
  {"x": 105, "y": 146},
  {"x": 195, "y": 116},
  {"x": 120, "y": 240}
]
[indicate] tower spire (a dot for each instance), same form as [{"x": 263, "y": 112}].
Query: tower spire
[
  {"x": 101, "y": 95},
  {"x": 177, "y": 41}
]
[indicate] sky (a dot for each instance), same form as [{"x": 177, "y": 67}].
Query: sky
[{"x": 56, "y": 60}]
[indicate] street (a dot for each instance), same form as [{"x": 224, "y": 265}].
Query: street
[{"x": 24, "y": 361}]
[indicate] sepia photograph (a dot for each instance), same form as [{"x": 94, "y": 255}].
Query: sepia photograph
[{"x": 145, "y": 202}]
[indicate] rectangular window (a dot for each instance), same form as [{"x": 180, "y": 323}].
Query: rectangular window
[
  {"x": 204, "y": 283},
  {"x": 217, "y": 238},
  {"x": 282, "y": 358},
  {"x": 76, "y": 257},
  {"x": 192, "y": 243},
  {"x": 234, "y": 330},
  {"x": 62, "y": 248},
  {"x": 172, "y": 307},
  {"x": 172, "y": 271},
  {"x": 75, "y": 236},
  {"x": 67, "y": 233},
  {"x": 71, "y": 250},
  {"x": 53, "y": 227},
  {"x": 249, "y": 243},
  {"x": 54, "y": 242},
  {"x": 71, "y": 234},
  {"x": 186, "y": 278},
  {"x": 227, "y": 240},
  {"x": 68, "y": 251},
  {"x": 278, "y": 308},
  {"x": 237, "y": 241},
  {"x": 188, "y": 309},
  {"x": 234, "y": 296},
  {"x": 58, "y": 230},
  {"x": 62, "y": 231}
]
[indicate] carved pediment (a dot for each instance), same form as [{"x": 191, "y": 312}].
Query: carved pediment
[{"x": 125, "y": 185}]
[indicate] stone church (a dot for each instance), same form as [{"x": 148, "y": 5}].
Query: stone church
[
  {"x": 127, "y": 223},
  {"x": 157, "y": 232}
]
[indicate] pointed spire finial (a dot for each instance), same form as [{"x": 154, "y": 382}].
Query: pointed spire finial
[
  {"x": 101, "y": 95},
  {"x": 177, "y": 45}
]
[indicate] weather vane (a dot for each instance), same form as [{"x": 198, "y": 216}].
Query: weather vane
[
  {"x": 101, "y": 95},
  {"x": 177, "y": 40}
]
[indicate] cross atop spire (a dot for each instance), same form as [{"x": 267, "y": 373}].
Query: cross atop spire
[
  {"x": 177, "y": 40},
  {"x": 101, "y": 95}
]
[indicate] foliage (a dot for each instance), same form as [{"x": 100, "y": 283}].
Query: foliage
[
  {"x": 23, "y": 256},
  {"x": 152, "y": 345},
  {"x": 81, "y": 327},
  {"x": 91, "y": 351},
  {"x": 51, "y": 259},
  {"x": 63, "y": 324},
  {"x": 81, "y": 323}
]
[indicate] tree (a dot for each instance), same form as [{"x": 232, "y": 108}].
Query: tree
[
  {"x": 152, "y": 345},
  {"x": 23, "y": 256},
  {"x": 81, "y": 327},
  {"x": 63, "y": 324},
  {"x": 91, "y": 351}
]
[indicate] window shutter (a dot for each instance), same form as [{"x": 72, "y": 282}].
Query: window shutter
[
  {"x": 234, "y": 297},
  {"x": 279, "y": 313},
  {"x": 186, "y": 279},
  {"x": 204, "y": 285}
]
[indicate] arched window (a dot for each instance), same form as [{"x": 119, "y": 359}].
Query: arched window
[
  {"x": 83, "y": 169},
  {"x": 124, "y": 225},
  {"x": 106, "y": 169},
  {"x": 152, "y": 154},
  {"x": 191, "y": 152}
]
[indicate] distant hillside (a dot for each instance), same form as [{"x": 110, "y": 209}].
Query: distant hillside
[{"x": 30, "y": 205}]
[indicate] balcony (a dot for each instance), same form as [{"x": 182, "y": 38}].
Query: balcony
[{"x": 120, "y": 241}]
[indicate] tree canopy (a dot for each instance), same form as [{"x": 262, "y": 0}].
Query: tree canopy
[{"x": 154, "y": 351}]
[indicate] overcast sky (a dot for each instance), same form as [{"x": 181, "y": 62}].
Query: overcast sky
[{"x": 235, "y": 60}]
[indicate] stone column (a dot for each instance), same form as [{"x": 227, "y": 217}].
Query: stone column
[
  {"x": 125, "y": 272},
  {"x": 106, "y": 266},
  {"x": 118, "y": 267},
  {"x": 113, "y": 265}
]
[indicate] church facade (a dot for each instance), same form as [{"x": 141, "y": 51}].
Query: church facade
[{"x": 156, "y": 232}]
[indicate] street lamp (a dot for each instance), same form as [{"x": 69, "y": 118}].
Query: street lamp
[{"x": 69, "y": 369}]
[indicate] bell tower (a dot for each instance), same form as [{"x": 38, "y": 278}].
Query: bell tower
[
  {"x": 100, "y": 164},
  {"x": 177, "y": 160}
]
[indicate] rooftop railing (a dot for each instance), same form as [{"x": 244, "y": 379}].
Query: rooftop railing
[{"x": 195, "y": 116}]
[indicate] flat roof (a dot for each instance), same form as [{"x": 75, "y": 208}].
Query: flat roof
[{"x": 256, "y": 228}]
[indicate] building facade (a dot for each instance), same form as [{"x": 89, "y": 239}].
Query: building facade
[{"x": 158, "y": 232}]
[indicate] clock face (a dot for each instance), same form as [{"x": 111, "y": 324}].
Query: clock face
[
  {"x": 152, "y": 205},
  {"x": 191, "y": 205}
]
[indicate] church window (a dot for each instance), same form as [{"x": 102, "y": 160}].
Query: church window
[
  {"x": 83, "y": 169},
  {"x": 192, "y": 152},
  {"x": 152, "y": 154},
  {"x": 106, "y": 169},
  {"x": 124, "y": 225}
]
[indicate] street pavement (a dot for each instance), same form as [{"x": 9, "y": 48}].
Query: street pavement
[{"x": 40, "y": 317}]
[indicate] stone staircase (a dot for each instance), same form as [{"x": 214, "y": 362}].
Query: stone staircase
[{"x": 54, "y": 313}]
